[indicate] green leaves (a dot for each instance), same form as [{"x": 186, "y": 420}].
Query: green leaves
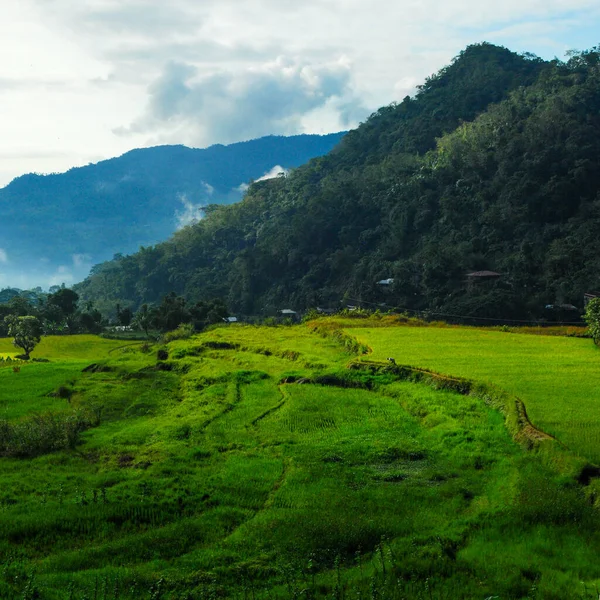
[
  {"x": 26, "y": 331},
  {"x": 592, "y": 318}
]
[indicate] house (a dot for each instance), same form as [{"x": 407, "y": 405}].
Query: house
[
  {"x": 477, "y": 277},
  {"x": 388, "y": 281},
  {"x": 560, "y": 307},
  {"x": 481, "y": 275},
  {"x": 588, "y": 296},
  {"x": 288, "y": 313},
  {"x": 230, "y": 319}
]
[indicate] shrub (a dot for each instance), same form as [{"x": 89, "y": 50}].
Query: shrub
[
  {"x": 44, "y": 433},
  {"x": 183, "y": 332},
  {"x": 592, "y": 318}
]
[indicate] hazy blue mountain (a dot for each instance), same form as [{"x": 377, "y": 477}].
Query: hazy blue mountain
[{"x": 60, "y": 224}]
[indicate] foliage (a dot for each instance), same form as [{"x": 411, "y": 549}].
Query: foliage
[
  {"x": 183, "y": 332},
  {"x": 493, "y": 165},
  {"x": 25, "y": 331},
  {"x": 117, "y": 205},
  {"x": 43, "y": 433},
  {"x": 592, "y": 318}
]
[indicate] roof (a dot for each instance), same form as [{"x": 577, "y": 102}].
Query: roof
[
  {"x": 386, "y": 281},
  {"x": 484, "y": 274},
  {"x": 288, "y": 311},
  {"x": 561, "y": 306}
]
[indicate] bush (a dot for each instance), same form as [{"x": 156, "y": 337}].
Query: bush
[
  {"x": 44, "y": 433},
  {"x": 592, "y": 318},
  {"x": 183, "y": 332}
]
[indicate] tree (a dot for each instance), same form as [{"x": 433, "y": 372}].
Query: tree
[
  {"x": 61, "y": 309},
  {"x": 25, "y": 331},
  {"x": 65, "y": 299},
  {"x": 208, "y": 313},
  {"x": 171, "y": 312},
  {"x": 144, "y": 319},
  {"x": 124, "y": 315},
  {"x": 592, "y": 318}
]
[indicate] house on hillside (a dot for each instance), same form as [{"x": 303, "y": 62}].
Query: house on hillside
[
  {"x": 588, "y": 296},
  {"x": 477, "y": 277},
  {"x": 386, "y": 282},
  {"x": 483, "y": 275}
]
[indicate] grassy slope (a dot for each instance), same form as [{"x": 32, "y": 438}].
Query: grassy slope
[
  {"x": 28, "y": 390},
  {"x": 558, "y": 378},
  {"x": 221, "y": 480}
]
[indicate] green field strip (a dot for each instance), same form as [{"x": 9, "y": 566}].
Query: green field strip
[
  {"x": 556, "y": 378},
  {"x": 247, "y": 463}
]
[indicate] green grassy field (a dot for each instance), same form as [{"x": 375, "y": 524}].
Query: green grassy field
[
  {"x": 251, "y": 463},
  {"x": 558, "y": 378}
]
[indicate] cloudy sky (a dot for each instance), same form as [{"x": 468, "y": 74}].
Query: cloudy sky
[{"x": 83, "y": 80}]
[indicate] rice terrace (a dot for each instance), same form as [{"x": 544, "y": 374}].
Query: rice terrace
[{"x": 339, "y": 458}]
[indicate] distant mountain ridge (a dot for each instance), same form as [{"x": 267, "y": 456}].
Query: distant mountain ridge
[{"x": 64, "y": 223}]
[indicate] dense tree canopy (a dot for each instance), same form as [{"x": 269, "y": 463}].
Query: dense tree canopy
[{"x": 494, "y": 165}]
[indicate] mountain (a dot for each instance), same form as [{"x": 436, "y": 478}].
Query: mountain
[
  {"x": 492, "y": 169},
  {"x": 65, "y": 222}
]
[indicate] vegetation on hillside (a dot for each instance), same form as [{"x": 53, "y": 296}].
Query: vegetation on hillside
[
  {"x": 492, "y": 166},
  {"x": 91, "y": 213}
]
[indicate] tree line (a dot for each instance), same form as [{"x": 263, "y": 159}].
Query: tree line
[{"x": 28, "y": 317}]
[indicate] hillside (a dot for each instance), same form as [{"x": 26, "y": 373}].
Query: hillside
[
  {"x": 88, "y": 214},
  {"x": 492, "y": 166}
]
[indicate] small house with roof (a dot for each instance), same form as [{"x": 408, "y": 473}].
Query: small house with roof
[{"x": 477, "y": 277}]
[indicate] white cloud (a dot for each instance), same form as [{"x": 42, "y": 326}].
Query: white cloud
[
  {"x": 208, "y": 71},
  {"x": 270, "y": 98},
  {"x": 63, "y": 274},
  {"x": 3, "y": 256},
  {"x": 82, "y": 261},
  {"x": 192, "y": 213},
  {"x": 276, "y": 171}
]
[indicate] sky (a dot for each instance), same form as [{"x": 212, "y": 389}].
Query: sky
[{"x": 85, "y": 80}]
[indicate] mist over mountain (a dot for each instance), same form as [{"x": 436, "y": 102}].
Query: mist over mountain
[
  {"x": 53, "y": 228},
  {"x": 492, "y": 169}
]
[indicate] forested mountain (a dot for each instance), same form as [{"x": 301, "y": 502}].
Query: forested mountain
[
  {"x": 88, "y": 214},
  {"x": 492, "y": 166}
]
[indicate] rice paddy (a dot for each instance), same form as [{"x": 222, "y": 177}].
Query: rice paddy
[
  {"x": 558, "y": 378},
  {"x": 249, "y": 462}
]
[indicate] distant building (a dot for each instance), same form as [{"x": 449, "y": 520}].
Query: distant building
[
  {"x": 478, "y": 275},
  {"x": 588, "y": 296},
  {"x": 388, "y": 281},
  {"x": 230, "y": 319},
  {"x": 288, "y": 313},
  {"x": 560, "y": 307}
]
